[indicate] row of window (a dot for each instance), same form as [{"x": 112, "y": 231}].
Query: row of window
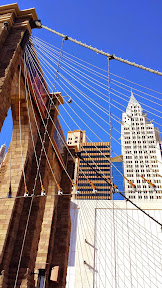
[
  {"x": 98, "y": 190},
  {"x": 89, "y": 175},
  {"x": 140, "y": 152},
  {"x": 149, "y": 127},
  {"x": 136, "y": 114},
  {"x": 138, "y": 119},
  {"x": 98, "y": 166},
  {"x": 96, "y": 184},
  {"x": 145, "y": 197},
  {"x": 96, "y": 161},
  {"x": 94, "y": 147},
  {"x": 138, "y": 128},
  {"x": 95, "y": 151},
  {"x": 92, "y": 178},
  {"x": 95, "y": 156}
]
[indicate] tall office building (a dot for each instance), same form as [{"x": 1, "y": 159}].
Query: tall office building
[
  {"x": 141, "y": 153},
  {"x": 97, "y": 155},
  {"x": 76, "y": 137}
]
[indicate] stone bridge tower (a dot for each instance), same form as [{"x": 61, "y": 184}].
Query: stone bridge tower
[{"x": 30, "y": 247}]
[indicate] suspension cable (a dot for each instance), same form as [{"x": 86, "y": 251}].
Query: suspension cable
[
  {"x": 39, "y": 25},
  {"x": 77, "y": 97}
]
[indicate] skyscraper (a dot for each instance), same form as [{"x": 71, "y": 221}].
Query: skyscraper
[
  {"x": 76, "y": 137},
  {"x": 97, "y": 155},
  {"x": 141, "y": 153}
]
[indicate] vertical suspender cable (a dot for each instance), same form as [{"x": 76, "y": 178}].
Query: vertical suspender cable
[
  {"x": 110, "y": 126},
  {"x": 111, "y": 188},
  {"x": 20, "y": 124},
  {"x": 10, "y": 188},
  {"x": 130, "y": 262},
  {"x": 94, "y": 259}
]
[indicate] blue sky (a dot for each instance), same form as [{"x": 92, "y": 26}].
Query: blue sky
[{"x": 129, "y": 29}]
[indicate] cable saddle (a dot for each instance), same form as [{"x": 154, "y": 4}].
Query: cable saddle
[
  {"x": 94, "y": 191},
  {"x": 26, "y": 194},
  {"x": 60, "y": 192},
  {"x": 43, "y": 193}
]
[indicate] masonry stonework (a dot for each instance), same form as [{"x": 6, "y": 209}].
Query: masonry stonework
[{"x": 47, "y": 230}]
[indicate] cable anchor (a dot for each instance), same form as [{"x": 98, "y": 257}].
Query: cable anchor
[
  {"x": 93, "y": 186},
  {"x": 149, "y": 182},
  {"x": 130, "y": 182},
  {"x": 66, "y": 38},
  {"x": 115, "y": 187},
  {"x": 76, "y": 187},
  {"x": 37, "y": 23},
  {"x": 43, "y": 192},
  {"x": 111, "y": 57},
  {"x": 26, "y": 194},
  {"x": 94, "y": 191},
  {"x": 60, "y": 192}
]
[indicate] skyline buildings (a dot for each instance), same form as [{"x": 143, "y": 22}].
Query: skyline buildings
[
  {"x": 97, "y": 155},
  {"x": 141, "y": 149},
  {"x": 140, "y": 164}
]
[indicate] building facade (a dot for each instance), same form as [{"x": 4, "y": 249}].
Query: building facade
[
  {"x": 93, "y": 263},
  {"x": 141, "y": 153},
  {"x": 97, "y": 155},
  {"x": 2, "y": 153},
  {"x": 76, "y": 137},
  {"x": 117, "y": 176},
  {"x": 92, "y": 260}
]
